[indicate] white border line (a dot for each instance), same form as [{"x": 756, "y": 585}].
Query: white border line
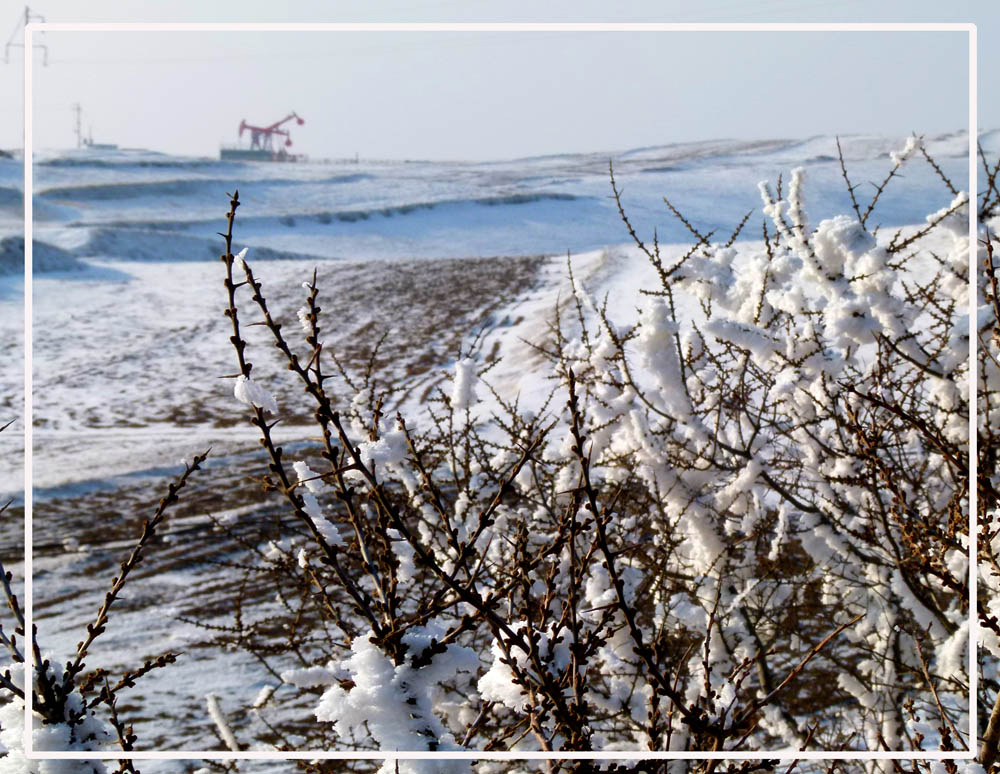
[
  {"x": 786, "y": 754},
  {"x": 472, "y": 755},
  {"x": 500, "y": 27},
  {"x": 973, "y": 377},
  {"x": 27, "y": 154}
]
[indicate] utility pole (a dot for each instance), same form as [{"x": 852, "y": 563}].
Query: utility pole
[
  {"x": 14, "y": 41},
  {"x": 79, "y": 137}
]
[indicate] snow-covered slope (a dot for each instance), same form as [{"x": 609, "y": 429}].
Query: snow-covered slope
[{"x": 139, "y": 205}]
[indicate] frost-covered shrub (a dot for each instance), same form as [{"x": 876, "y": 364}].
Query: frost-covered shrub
[
  {"x": 74, "y": 708},
  {"x": 988, "y": 458},
  {"x": 738, "y": 522}
]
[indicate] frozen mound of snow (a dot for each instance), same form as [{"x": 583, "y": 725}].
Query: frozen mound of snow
[
  {"x": 153, "y": 245},
  {"x": 123, "y": 190},
  {"x": 119, "y": 157},
  {"x": 45, "y": 257},
  {"x": 12, "y": 207}
]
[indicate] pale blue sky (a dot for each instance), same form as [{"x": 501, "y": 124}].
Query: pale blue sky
[{"x": 498, "y": 95}]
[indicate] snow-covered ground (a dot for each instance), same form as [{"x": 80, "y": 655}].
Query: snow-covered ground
[
  {"x": 150, "y": 322},
  {"x": 129, "y": 338}
]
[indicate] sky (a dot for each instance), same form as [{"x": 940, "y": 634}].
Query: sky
[{"x": 465, "y": 95}]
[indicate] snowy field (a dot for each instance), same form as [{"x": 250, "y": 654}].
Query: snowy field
[
  {"x": 135, "y": 233},
  {"x": 130, "y": 340}
]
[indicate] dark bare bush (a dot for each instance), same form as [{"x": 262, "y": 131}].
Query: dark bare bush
[{"x": 74, "y": 708}]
